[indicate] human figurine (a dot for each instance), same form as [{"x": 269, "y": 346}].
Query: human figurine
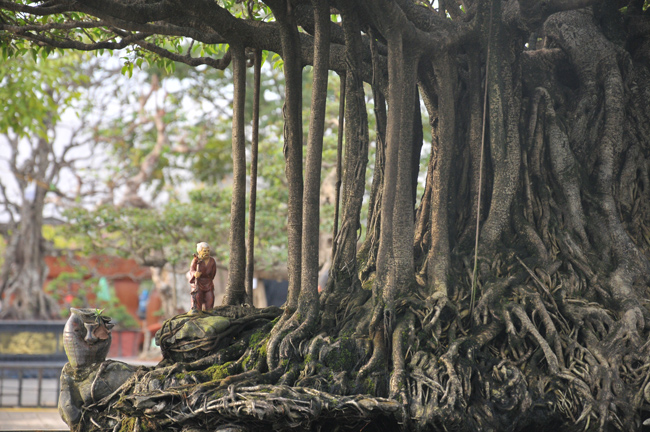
[{"x": 201, "y": 275}]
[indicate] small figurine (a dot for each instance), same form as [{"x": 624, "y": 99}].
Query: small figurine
[{"x": 201, "y": 275}]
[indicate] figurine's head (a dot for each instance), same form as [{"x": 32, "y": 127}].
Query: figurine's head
[{"x": 203, "y": 250}]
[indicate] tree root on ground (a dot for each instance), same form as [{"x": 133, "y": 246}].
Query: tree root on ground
[{"x": 534, "y": 355}]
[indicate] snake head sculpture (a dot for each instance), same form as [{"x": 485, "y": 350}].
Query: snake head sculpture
[{"x": 87, "y": 336}]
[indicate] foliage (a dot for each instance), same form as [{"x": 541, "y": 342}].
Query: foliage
[
  {"x": 79, "y": 289},
  {"x": 37, "y": 91},
  {"x": 198, "y": 118},
  {"x": 39, "y": 96}
]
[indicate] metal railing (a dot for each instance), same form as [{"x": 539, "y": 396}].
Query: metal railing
[{"x": 30, "y": 384}]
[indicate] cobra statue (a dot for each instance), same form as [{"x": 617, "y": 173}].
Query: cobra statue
[{"x": 88, "y": 377}]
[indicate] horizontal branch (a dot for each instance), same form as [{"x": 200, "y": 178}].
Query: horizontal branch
[
  {"x": 72, "y": 44},
  {"x": 36, "y": 10},
  {"x": 221, "y": 63},
  {"x": 201, "y": 20}
]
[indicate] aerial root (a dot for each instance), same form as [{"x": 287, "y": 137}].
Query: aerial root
[
  {"x": 530, "y": 328},
  {"x": 397, "y": 385},
  {"x": 439, "y": 301},
  {"x": 283, "y": 406}
]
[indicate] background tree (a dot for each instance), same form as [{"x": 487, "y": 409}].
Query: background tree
[
  {"x": 41, "y": 165},
  {"x": 538, "y": 110}
]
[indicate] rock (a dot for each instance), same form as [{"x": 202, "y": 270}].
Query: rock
[{"x": 202, "y": 327}]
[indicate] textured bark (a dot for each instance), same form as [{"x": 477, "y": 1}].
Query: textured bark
[
  {"x": 438, "y": 260},
  {"x": 306, "y": 314},
  {"x": 504, "y": 103},
  {"x": 293, "y": 151},
  {"x": 250, "y": 240},
  {"x": 235, "y": 290},
  {"x": 292, "y": 111},
  {"x": 339, "y": 157},
  {"x": 343, "y": 275}
]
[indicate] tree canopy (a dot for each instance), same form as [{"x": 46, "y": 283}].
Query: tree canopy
[{"x": 510, "y": 295}]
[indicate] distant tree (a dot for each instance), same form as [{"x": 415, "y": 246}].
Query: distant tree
[{"x": 38, "y": 151}]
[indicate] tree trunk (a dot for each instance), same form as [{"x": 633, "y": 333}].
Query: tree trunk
[
  {"x": 26, "y": 271},
  {"x": 292, "y": 112},
  {"x": 23, "y": 292},
  {"x": 343, "y": 274},
  {"x": 250, "y": 245},
  {"x": 235, "y": 290},
  {"x": 306, "y": 314}
]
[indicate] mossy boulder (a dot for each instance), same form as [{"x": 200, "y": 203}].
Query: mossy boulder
[
  {"x": 201, "y": 328},
  {"x": 186, "y": 338}
]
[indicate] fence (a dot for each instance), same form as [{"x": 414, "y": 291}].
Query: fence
[
  {"x": 30, "y": 384},
  {"x": 32, "y": 356}
]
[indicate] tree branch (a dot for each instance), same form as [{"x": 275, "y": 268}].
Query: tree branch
[
  {"x": 220, "y": 64},
  {"x": 71, "y": 44}
]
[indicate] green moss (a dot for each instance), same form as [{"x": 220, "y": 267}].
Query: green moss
[
  {"x": 246, "y": 362},
  {"x": 362, "y": 257},
  {"x": 262, "y": 351},
  {"x": 257, "y": 337},
  {"x": 368, "y": 283},
  {"x": 370, "y": 386},
  {"x": 342, "y": 357},
  {"x": 219, "y": 372},
  {"x": 128, "y": 425}
]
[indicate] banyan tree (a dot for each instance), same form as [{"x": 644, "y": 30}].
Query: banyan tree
[{"x": 511, "y": 295}]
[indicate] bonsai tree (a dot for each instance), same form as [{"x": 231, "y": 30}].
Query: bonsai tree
[{"x": 509, "y": 296}]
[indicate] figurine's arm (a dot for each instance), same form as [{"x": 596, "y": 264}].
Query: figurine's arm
[
  {"x": 197, "y": 273},
  {"x": 193, "y": 273},
  {"x": 212, "y": 269}
]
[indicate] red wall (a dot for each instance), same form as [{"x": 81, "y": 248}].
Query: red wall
[{"x": 124, "y": 275}]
